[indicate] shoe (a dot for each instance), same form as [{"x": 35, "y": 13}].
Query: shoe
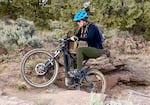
[
  {"x": 69, "y": 81},
  {"x": 75, "y": 73}
]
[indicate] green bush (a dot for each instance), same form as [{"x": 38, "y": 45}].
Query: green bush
[
  {"x": 131, "y": 15},
  {"x": 20, "y": 33}
]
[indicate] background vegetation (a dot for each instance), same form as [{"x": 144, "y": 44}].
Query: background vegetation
[{"x": 121, "y": 15}]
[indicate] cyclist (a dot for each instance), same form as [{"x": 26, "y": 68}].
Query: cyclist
[{"x": 89, "y": 33}]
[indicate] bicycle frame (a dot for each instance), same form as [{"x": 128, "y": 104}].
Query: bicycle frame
[{"x": 66, "y": 55}]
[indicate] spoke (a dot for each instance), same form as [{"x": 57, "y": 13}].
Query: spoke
[{"x": 34, "y": 71}]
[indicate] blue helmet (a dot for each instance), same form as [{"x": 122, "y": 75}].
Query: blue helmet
[{"x": 80, "y": 15}]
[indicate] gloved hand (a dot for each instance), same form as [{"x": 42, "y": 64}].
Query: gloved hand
[{"x": 74, "y": 38}]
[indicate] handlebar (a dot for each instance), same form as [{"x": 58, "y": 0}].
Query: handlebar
[
  {"x": 72, "y": 39},
  {"x": 63, "y": 40}
]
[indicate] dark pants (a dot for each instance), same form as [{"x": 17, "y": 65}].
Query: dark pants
[{"x": 85, "y": 53}]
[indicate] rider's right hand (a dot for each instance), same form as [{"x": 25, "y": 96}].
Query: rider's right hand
[{"x": 74, "y": 38}]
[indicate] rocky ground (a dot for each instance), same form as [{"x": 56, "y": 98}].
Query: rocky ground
[{"x": 128, "y": 81}]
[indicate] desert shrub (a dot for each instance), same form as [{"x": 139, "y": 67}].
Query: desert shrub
[
  {"x": 130, "y": 15},
  {"x": 20, "y": 32},
  {"x": 147, "y": 34}
]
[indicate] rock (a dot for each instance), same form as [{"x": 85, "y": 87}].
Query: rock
[
  {"x": 135, "y": 72},
  {"x": 125, "y": 44},
  {"x": 111, "y": 81},
  {"x": 104, "y": 65},
  {"x": 3, "y": 50},
  {"x": 75, "y": 98},
  {"x": 111, "y": 69},
  {"x": 113, "y": 78},
  {"x": 134, "y": 98},
  {"x": 130, "y": 69},
  {"x": 140, "y": 70},
  {"x": 6, "y": 100}
]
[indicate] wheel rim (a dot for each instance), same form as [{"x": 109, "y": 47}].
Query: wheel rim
[{"x": 38, "y": 77}]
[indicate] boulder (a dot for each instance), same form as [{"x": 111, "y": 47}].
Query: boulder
[
  {"x": 140, "y": 70},
  {"x": 113, "y": 78},
  {"x": 125, "y": 44},
  {"x": 131, "y": 97},
  {"x": 3, "y": 50},
  {"x": 126, "y": 64},
  {"x": 105, "y": 64}
]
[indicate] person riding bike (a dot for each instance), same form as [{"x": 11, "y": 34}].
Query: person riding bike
[{"x": 89, "y": 33}]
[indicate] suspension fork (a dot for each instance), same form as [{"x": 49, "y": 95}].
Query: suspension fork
[
  {"x": 48, "y": 62},
  {"x": 51, "y": 59}
]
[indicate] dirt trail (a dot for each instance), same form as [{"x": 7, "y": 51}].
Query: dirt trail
[
  {"x": 54, "y": 95},
  {"x": 12, "y": 90},
  {"x": 50, "y": 96}
]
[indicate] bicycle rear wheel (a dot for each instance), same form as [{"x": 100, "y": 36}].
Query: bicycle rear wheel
[
  {"x": 33, "y": 68},
  {"x": 94, "y": 81}
]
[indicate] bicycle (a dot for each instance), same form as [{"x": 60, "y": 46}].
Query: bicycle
[{"x": 39, "y": 68}]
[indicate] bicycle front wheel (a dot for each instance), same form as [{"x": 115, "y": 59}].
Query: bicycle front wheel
[
  {"x": 94, "y": 81},
  {"x": 33, "y": 68}
]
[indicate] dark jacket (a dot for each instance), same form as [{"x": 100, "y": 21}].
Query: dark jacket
[{"x": 93, "y": 36}]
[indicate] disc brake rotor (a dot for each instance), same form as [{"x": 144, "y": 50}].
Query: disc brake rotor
[{"x": 40, "y": 69}]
